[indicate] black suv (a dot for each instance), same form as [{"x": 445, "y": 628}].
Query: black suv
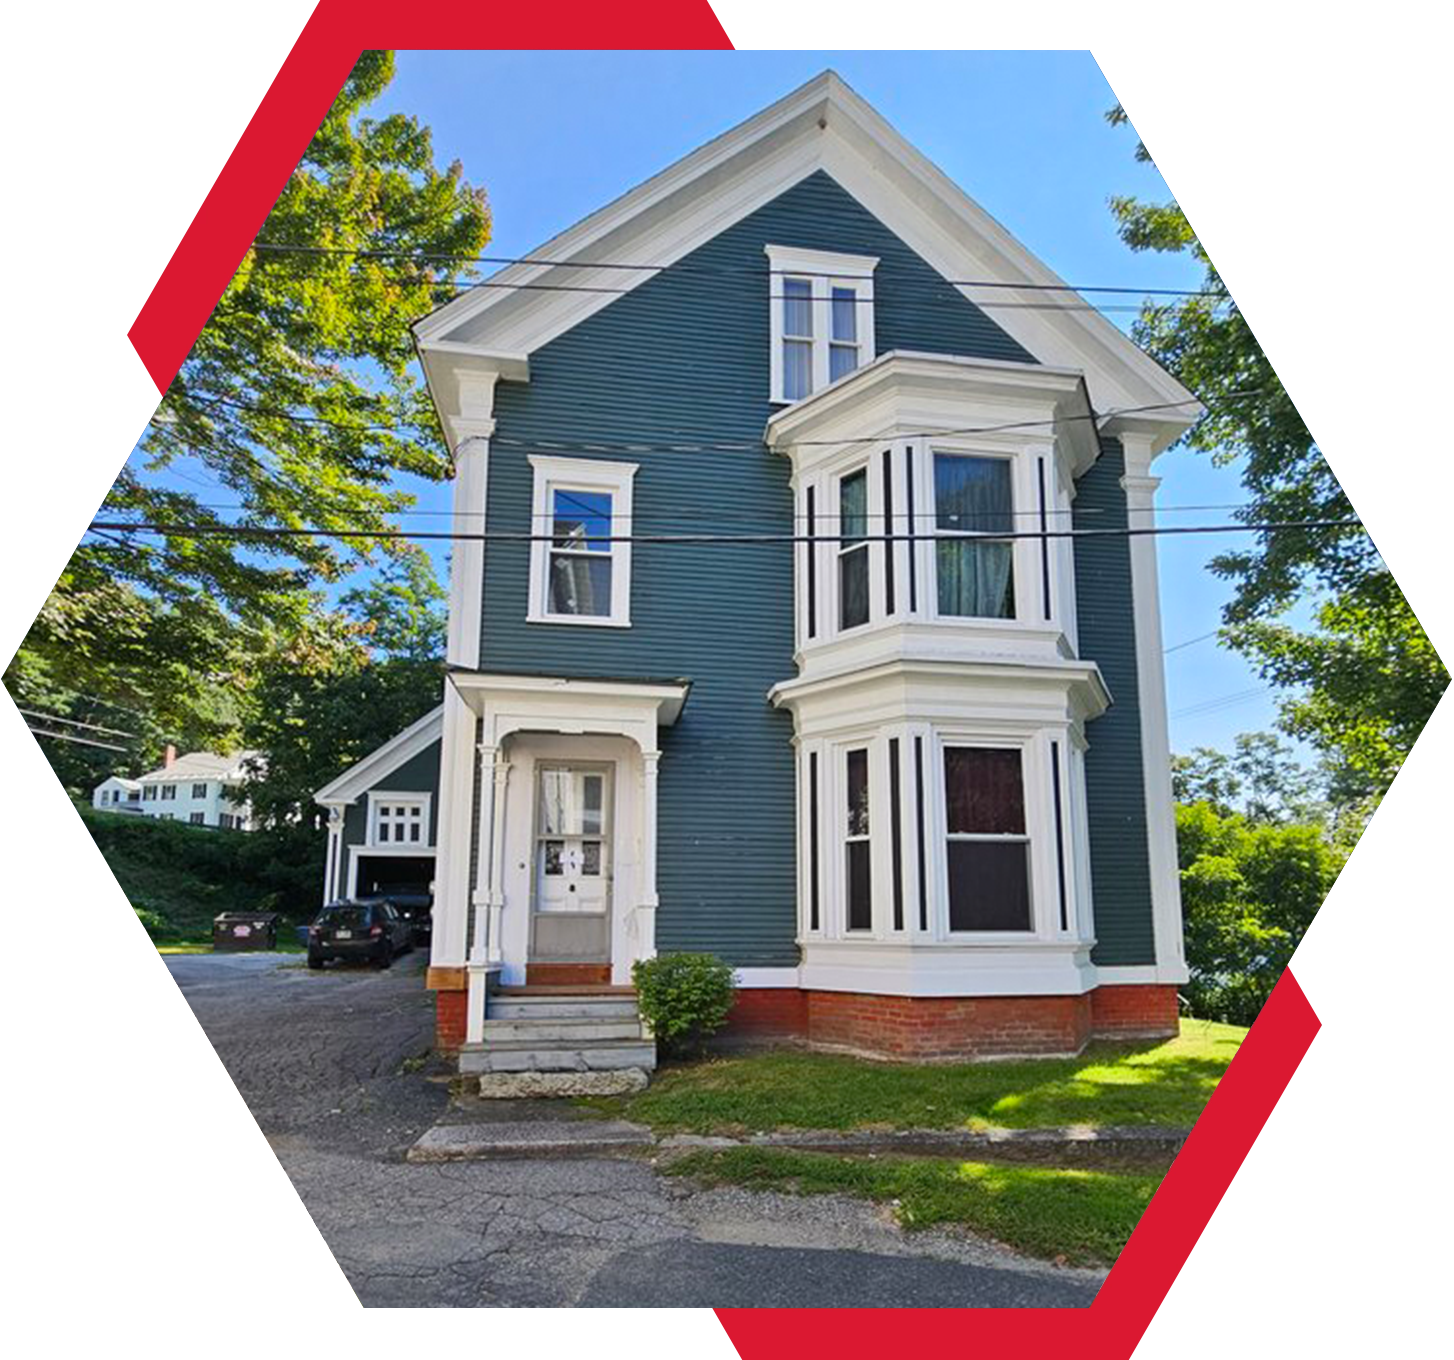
[
  {"x": 414, "y": 907},
  {"x": 358, "y": 930}
]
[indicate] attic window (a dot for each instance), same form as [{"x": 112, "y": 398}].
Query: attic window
[{"x": 821, "y": 310}]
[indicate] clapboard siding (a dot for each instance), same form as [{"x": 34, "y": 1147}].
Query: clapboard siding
[
  {"x": 684, "y": 359},
  {"x": 418, "y": 774},
  {"x": 1115, "y": 781}
]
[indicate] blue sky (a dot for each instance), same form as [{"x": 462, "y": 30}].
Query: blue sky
[{"x": 553, "y": 136}]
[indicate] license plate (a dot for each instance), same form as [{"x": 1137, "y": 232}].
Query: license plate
[
  {"x": 343, "y": 934},
  {"x": 242, "y": 932}
]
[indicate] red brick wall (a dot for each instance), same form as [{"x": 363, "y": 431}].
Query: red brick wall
[
  {"x": 1127, "y": 1011},
  {"x": 952, "y": 1027},
  {"x": 450, "y": 1019}
]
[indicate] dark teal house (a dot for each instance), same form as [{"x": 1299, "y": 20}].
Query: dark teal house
[{"x": 772, "y": 635}]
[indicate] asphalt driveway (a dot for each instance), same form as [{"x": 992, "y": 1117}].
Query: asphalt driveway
[{"x": 335, "y": 1067}]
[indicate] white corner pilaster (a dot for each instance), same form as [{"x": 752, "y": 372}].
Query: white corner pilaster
[
  {"x": 449, "y": 947},
  {"x": 647, "y": 902},
  {"x": 335, "y": 850},
  {"x": 1140, "y": 487},
  {"x": 495, "y": 902}
]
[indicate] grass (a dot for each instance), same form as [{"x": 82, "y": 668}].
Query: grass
[
  {"x": 1084, "y": 1217},
  {"x": 1166, "y": 1083}
]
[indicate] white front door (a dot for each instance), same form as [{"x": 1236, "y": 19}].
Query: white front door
[{"x": 571, "y": 916}]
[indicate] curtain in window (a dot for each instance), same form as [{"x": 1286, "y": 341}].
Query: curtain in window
[{"x": 972, "y": 496}]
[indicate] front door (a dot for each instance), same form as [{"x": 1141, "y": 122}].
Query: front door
[{"x": 571, "y": 910}]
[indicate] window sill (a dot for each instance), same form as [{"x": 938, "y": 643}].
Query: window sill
[{"x": 578, "y": 620}]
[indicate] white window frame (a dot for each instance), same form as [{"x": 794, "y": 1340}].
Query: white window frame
[
  {"x": 825, "y": 270},
  {"x": 588, "y": 475},
  {"x": 381, "y": 798},
  {"x": 1024, "y": 570}
]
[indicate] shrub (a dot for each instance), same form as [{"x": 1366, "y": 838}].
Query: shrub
[{"x": 685, "y": 998}]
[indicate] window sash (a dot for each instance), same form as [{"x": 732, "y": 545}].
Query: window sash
[{"x": 974, "y": 500}]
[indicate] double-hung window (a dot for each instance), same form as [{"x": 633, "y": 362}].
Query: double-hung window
[
  {"x": 199, "y": 790},
  {"x": 149, "y": 793},
  {"x": 853, "y": 550},
  {"x": 580, "y": 564},
  {"x": 974, "y": 502},
  {"x": 169, "y": 792},
  {"x": 821, "y": 306},
  {"x": 988, "y": 850}
]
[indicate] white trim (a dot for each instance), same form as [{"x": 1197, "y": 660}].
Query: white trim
[
  {"x": 1142, "y": 975},
  {"x": 581, "y": 474},
  {"x": 355, "y": 853},
  {"x": 761, "y": 978},
  {"x": 355, "y": 781},
  {"x": 823, "y": 271},
  {"x": 1029, "y": 968},
  {"x": 823, "y": 126},
  {"x": 416, "y": 798}
]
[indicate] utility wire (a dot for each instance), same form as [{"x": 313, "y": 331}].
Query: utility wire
[
  {"x": 73, "y": 722},
  {"x": 83, "y": 741},
  {"x": 243, "y": 531},
  {"x": 280, "y": 248},
  {"x": 1191, "y": 642}
]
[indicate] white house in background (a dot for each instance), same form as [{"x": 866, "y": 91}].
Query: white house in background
[{"x": 203, "y": 788}]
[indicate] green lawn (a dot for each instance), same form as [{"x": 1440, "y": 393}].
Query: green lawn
[
  {"x": 1083, "y": 1216},
  {"x": 1163, "y": 1083}
]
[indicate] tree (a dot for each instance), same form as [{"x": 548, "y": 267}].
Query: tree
[
  {"x": 300, "y": 403},
  {"x": 1248, "y": 893},
  {"x": 1262, "y": 779},
  {"x": 1369, "y": 676}
]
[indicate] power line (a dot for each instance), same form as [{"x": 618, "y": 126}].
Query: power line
[
  {"x": 73, "y": 722},
  {"x": 493, "y": 536},
  {"x": 1191, "y": 642},
  {"x": 714, "y": 270},
  {"x": 83, "y": 741},
  {"x": 738, "y": 446},
  {"x": 1221, "y": 702}
]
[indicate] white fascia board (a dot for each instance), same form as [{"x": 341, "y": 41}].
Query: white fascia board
[
  {"x": 358, "y": 779},
  {"x": 822, "y": 126}
]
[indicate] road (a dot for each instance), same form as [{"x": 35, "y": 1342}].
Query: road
[{"x": 335, "y": 1067}]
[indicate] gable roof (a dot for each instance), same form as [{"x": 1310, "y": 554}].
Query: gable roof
[
  {"x": 824, "y": 125},
  {"x": 358, "y": 779},
  {"x": 200, "y": 765}
]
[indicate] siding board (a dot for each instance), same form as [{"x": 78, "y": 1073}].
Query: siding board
[{"x": 684, "y": 358}]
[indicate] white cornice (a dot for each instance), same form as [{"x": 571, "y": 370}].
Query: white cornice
[{"x": 824, "y": 126}]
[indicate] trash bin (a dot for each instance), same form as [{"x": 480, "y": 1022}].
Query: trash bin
[{"x": 237, "y": 930}]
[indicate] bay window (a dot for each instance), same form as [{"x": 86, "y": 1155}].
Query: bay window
[
  {"x": 858, "y": 845},
  {"x": 853, "y": 569}
]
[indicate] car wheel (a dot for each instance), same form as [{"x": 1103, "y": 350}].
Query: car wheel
[{"x": 315, "y": 959}]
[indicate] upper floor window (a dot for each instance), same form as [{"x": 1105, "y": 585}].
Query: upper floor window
[
  {"x": 853, "y": 550},
  {"x": 149, "y": 793},
  {"x": 199, "y": 790},
  {"x": 973, "y": 499},
  {"x": 859, "y": 852},
  {"x": 821, "y": 305},
  {"x": 169, "y": 791},
  {"x": 580, "y": 562}
]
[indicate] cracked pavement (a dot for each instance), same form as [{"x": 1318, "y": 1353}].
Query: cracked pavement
[{"x": 336, "y": 1069}]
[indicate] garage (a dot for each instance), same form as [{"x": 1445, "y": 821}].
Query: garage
[{"x": 382, "y": 875}]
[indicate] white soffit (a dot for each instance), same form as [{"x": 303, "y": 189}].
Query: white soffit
[{"x": 825, "y": 126}]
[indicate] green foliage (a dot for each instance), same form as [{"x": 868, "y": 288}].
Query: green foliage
[
  {"x": 1249, "y": 892},
  {"x": 685, "y": 998},
  {"x": 299, "y": 406},
  {"x": 1370, "y": 675},
  {"x": 1262, "y": 778},
  {"x": 178, "y": 877}
]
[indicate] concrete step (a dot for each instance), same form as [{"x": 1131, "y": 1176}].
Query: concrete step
[
  {"x": 556, "y": 1056},
  {"x": 618, "y": 1081},
  {"x": 560, "y": 1008},
  {"x": 513, "y": 1138},
  {"x": 580, "y": 1030}
]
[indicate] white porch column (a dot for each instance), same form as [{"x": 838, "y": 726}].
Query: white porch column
[
  {"x": 647, "y": 902},
  {"x": 494, "y": 937},
  {"x": 335, "y": 848},
  {"x": 449, "y": 948},
  {"x": 1140, "y": 487}
]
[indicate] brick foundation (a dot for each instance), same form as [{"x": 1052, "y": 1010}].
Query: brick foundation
[
  {"x": 450, "y": 1020},
  {"x": 1126, "y": 1012},
  {"x": 949, "y": 1028}
]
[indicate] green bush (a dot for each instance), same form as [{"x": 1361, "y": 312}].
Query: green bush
[{"x": 685, "y": 998}]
